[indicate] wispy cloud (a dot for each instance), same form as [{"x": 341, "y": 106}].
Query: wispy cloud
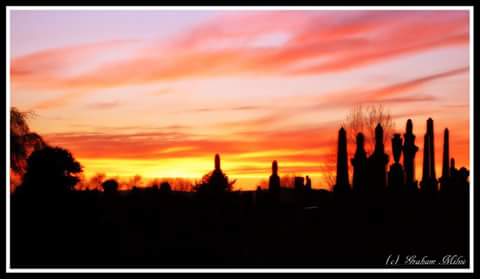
[
  {"x": 152, "y": 145},
  {"x": 104, "y": 105},
  {"x": 219, "y": 109},
  {"x": 392, "y": 93},
  {"x": 352, "y": 40}
]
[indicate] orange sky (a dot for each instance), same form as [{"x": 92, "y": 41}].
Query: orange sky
[{"x": 158, "y": 93}]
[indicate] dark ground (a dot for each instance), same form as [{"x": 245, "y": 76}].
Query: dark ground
[{"x": 148, "y": 228}]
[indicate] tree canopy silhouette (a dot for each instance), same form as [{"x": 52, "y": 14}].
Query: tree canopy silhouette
[
  {"x": 22, "y": 140},
  {"x": 51, "y": 169},
  {"x": 364, "y": 119}
]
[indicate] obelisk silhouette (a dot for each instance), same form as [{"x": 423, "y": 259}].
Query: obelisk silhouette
[
  {"x": 342, "y": 184},
  {"x": 429, "y": 180},
  {"x": 409, "y": 152},
  {"x": 274, "y": 180},
  {"x": 446, "y": 154},
  {"x": 444, "y": 180},
  {"x": 217, "y": 162}
]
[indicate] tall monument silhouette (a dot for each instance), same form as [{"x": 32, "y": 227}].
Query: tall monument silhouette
[
  {"x": 359, "y": 163},
  {"x": 342, "y": 184},
  {"x": 444, "y": 180},
  {"x": 409, "y": 151},
  {"x": 308, "y": 183},
  {"x": 377, "y": 164},
  {"x": 217, "y": 163},
  {"x": 216, "y": 181},
  {"x": 274, "y": 181},
  {"x": 429, "y": 180}
]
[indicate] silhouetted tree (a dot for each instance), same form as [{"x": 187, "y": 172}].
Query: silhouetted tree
[
  {"x": 95, "y": 182},
  {"x": 51, "y": 169},
  {"x": 364, "y": 120},
  {"x": 263, "y": 184},
  {"x": 215, "y": 181},
  {"x": 287, "y": 181},
  {"x": 22, "y": 140},
  {"x": 135, "y": 181},
  {"x": 328, "y": 175},
  {"x": 165, "y": 188},
  {"x": 180, "y": 184}
]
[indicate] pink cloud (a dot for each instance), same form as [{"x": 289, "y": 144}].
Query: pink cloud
[{"x": 347, "y": 40}]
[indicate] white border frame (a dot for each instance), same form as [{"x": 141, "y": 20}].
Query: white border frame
[{"x": 237, "y": 270}]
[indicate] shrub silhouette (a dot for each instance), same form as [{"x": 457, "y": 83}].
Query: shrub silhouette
[
  {"x": 51, "y": 169},
  {"x": 110, "y": 186},
  {"x": 216, "y": 182},
  {"x": 165, "y": 188}
]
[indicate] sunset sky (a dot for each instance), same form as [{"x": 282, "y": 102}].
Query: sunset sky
[{"x": 158, "y": 93}]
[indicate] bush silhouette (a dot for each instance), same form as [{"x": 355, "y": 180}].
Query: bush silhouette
[
  {"x": 110, "y": 186},
  {"x": 51, "y": 169},
  {"x": 165, "y": 188},
  {"x": 215, "y": 182}
]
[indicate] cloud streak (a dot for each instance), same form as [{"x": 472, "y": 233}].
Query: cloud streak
[{"x": 353, "y": 40}]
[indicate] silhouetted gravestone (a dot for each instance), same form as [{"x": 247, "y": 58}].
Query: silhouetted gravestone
[
  {"x": 377, "y": 164},
  {"x": 445, "y": 178},
  {"x": 429, "y": 180},
  {"x": 274, "y": 180},
  {"x": 299, "y": 183},
  {"x": 409, "y": 152},
  {"x": 341, "y": 182},
  {"x": 462, "y": 180},
  {"x": 308, "y": 184},
  {"x": 359, "y": 163},
  {"x": 458, "y": 179},
  {"x": 396, "y": 178}
]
